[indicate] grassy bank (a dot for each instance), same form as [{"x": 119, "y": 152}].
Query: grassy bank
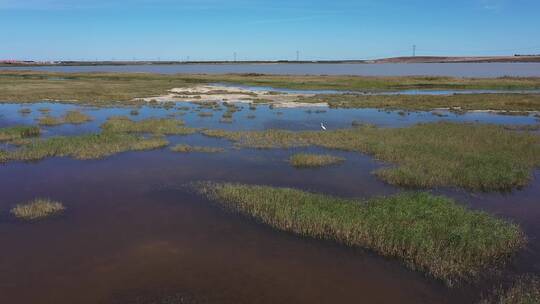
[
  {"x": 90, "y": 146},
  {"x": 305, "y": 160},
  {"x": 151, "y": 125},
  {"x": 525, "y": 290},
  {"x": 499, "y": 102},
  {"x": 18, "y": 132},
  {"x": 111, "y": 88},
  {"x": 429, "y": 233},
  {"x": 471, "y": 156},
  {"x": 37, "y": 209}
]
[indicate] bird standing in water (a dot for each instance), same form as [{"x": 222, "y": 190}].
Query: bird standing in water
[{"x": 323, "y": 126}]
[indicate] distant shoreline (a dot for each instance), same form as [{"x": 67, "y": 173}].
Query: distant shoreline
[{"x": 397, "y": 60}]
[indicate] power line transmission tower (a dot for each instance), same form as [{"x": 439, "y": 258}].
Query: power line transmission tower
[
  {"x": 297, "y": 55},
  {"x": 414, "y": 50},
  {"x": 234, "y": 56}
]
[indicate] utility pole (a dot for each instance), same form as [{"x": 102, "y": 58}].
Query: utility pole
[{"x": 414, "y": 50}]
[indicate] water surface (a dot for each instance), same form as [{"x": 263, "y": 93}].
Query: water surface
[
  {"x": 134, "y": 230},
  {"x": 391, "y": 69}
]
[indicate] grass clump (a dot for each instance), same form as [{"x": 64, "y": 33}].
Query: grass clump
[
  {"x": 25, "y": 111},
  {"x": 206, "y": 114},
  {"x": 37, "y": 209},
  {"x": 472, "y": 156},
  {"x": 76, "y": 117},
  {"x": 71, "y": 117},
  {"x": 18, "y": 132},
  {"x": 152, "y": 125},
  {"x": 429, "y": 233},
  {"x": 49, "y": 121},
  {"x": 188, "y": 149},
  {"x": 90, "y": 146},
  {"x": 525, "y": 290},
  {"x": 305, "y": 160}
]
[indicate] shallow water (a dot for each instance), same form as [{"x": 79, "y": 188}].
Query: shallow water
[
  {"x": 133, "y": 230},
  {"x": 391, "y": 69}
]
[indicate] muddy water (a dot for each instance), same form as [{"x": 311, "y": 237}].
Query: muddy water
[{"x": 134, "y": 233}]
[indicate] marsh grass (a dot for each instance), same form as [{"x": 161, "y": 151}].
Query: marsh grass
[
  {"x": 428, "y": 233},
  {"x": 49, "y": 121},
  {"x": 18, "y": 132},
  {"x": 112, "y": 88},
  {"x": 472, "y": 156},
  {"x": 525, "y": 290},
  {"x": 199, "y": 149},
  {"x": 71, "y": 117},
  {"x": 165, "y": 126},
  {"x": 306, "y": 160},
  {"x": 76, "y": 117},
  {"x": 90, "y": 146},
  {"x": 206, "y": 114},
  {"x": 37, "y": 209}
]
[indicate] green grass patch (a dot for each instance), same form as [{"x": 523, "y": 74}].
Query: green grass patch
[
  {"x": 429, "y": 233},
  {"x": 91, "y": 146},
  {"x": 472, "y": 156},
  {"x": 164, "y": 126},
  {"x": 188, "y": 149},
  {"x": 525, "y": 290},
  {"x": 306, "y": 160},
  {"x": 18, "y": 132},
  {"x": 462, "y": 102},
  {"x": 37, "y": 209}
]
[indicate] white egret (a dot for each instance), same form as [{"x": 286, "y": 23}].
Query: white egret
[{"x": 323, "y": 126}]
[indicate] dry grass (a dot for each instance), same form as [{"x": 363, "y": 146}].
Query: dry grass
[
  {"x": 471, "y": 156},
  {"x": 428, "y": 233},
  {"x": 305, "y": 160},
  {"x": 37, "y": 209}
]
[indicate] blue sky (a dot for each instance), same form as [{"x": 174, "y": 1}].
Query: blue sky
[{"x": 264, "y": 30}]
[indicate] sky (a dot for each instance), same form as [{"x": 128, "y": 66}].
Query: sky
[{"x": 265, "y": 30}]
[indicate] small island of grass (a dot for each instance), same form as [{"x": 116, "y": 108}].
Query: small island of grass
[
  {"x": 188, "y": 149},
  {"x": 306, "y": 160},
  {"x": 427, "y": 232},
  {"x": 37, "y": 209}
]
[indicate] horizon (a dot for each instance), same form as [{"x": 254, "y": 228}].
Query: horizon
[{"x": 209, "y": 30}]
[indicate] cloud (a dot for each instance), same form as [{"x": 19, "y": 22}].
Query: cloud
[{"x": 492, "y": 5}]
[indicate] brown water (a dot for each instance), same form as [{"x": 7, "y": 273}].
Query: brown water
[{"x": 135, "y": 233}]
